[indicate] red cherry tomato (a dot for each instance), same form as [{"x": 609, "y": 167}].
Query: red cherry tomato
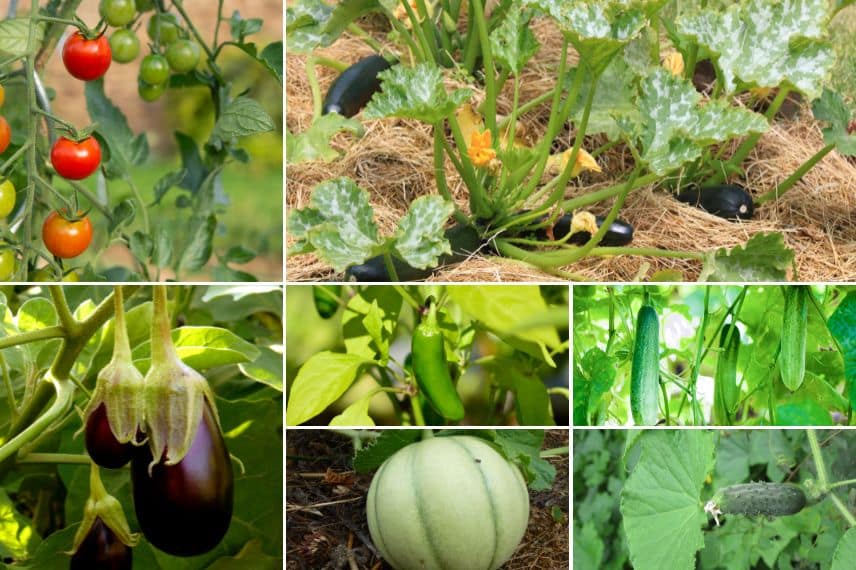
[
  {"x": 5, "y": 134},
  {"x": 76, "y": 160},
  {"x": 65, "y": 238},
  {"x": 86, "y": 59}
]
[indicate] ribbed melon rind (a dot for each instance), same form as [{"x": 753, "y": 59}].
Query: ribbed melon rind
[{"x": 450, "y": 503}]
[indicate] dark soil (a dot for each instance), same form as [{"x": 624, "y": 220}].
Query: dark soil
[{"x": 326, "y": 526}]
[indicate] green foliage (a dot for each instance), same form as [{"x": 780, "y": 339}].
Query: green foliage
[{"x": 605, "y": 335}]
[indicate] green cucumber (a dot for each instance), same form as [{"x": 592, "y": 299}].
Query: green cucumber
[
  {"x": 761, "y": 499},
  {"x": 794, "y": 321},
  {"x": 726, "y": 392},
  {"x": 645, "y": 370}
]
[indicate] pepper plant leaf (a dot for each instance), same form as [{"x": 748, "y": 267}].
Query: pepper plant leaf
[
  {"x": 512, "y": 42},
  {"x": 420, "y": 239},
  {"x": 338, "y": 225},
  {"x": 675, "y": 128},
  {"x": 830, "y": 107},
  {"x": 767, "y": 43},
  {"x": 598, "y": 29},
  {"x": 660, "y": 501},
  {"x": 314, "y": 142},
  {"x": 414, "y": 93}
]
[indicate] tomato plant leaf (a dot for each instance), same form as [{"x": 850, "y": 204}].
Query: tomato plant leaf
[
  {"x": 830, "y": 107},
  {"x": 767, "y": 43},
  {"x": 845, "y": 552},
  {"x": 319, "y": 383},
  {"x": 241, "y": 118},
  {"x": 660, "y": 502},
  {"x": 763, "y": 258},
  {"x": 414, "y": 93},
  {"x": 804, "y": 413},
  {"x": 198, "y": 251},
  {"x": 420, "y": 240},
  {"x": 125, "y": 149},
  {"x": 675, "y": 127},
  {"x": 513, "y": 43},
  {"x": 314, "y": 142},
  {"x": 272, "y": 57},
  {"x": 15, "y": 37}
]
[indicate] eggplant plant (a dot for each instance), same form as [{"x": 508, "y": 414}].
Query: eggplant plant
[{"x": 627, "y": 86}]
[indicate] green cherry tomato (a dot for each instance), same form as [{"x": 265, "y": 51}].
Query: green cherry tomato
[
  {"x": 150, "y": 93},
  {"x": 183, "y": 55},
  {"x": 117, "y": 13},
  {"x": 7, "y": 262},
  {"x": 125, "y": 45},
  {"x": 163, "y": 28},
  {"x": 144, "y": 5},
  {"x": 7, "y": 198},
  {"x": 154, "y": 69}
]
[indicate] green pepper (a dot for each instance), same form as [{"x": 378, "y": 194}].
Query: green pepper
[
  {"x": 326, "y": 299},
  {"x": 431, "y": 370}
]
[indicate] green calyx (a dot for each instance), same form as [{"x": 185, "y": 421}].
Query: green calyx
[
  {"x": 120, "y": 386},
  {"x": 175, "y": 393},
  {"x": 105, "y": 506}
]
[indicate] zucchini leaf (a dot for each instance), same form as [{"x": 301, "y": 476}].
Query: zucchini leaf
[
  {"x": 338, "y": 225},
  {"x": 675, "y": 128},
  {"x": 414, "y": 93},
  {"x": 314, "y": 142},
  {"x": 513, "y": 43},
  {"x": 420, "y": 239},
  {"x": 304, "y": 25},
  {"x": 663, "y": 515},
  {"x": 763, "y": 258},
  {"x": 767, "y": 43},
  {"x": 830, "y": 107},
  {"x": 597, "y": 29}
]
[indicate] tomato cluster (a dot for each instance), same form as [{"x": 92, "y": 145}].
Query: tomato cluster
[{"x": 172, "y": 50}]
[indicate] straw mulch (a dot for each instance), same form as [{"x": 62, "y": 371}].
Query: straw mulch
[{"x": 394, "y": 162}]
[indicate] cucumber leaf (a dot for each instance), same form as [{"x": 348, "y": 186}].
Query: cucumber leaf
[
  {"x": 804, "y": 413},
  {"x": 842, "y": 325},
  {"x": 414, "y": 93},
  {"x": 845, "y": 552},
  {"x": 663, "y": 515},
  {"x": 767, "y": 43}
]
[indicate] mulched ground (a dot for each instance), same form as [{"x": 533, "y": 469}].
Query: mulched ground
[{"x": 326, "y": 526}]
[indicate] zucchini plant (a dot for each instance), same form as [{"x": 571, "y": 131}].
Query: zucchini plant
[
  {"x": 627, "y": 86},
  {"x": 429, "y": 355},
  {"x": 701, "y": 499},
  {"x": 728, "y": 355}
]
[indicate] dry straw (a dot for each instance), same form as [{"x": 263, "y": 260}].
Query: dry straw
[{"x": 394, "y": 162}]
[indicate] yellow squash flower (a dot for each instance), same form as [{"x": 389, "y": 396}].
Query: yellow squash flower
[
  {"x": 481, "y": 150},
  {"x": 674, "y": 63}
]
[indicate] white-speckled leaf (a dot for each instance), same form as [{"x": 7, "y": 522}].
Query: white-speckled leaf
[
  {"x": 830, "y": 107},
  {"x": 512, "y": 42},
  {"x": 414, "y": 93},
  {"x": 339, "y": 224},
  {"x": 420, "y": 233},
  {"x": 767, "y": 43},
  {"x": 596, "y": 28},
  {"x": 675, "y": 127}
]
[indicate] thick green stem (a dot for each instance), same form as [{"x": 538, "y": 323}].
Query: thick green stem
[
  {"x": 55, "y": 458},
  {"x": 489, "y": 69},
  {"x": 64, "y": 390},
  {"x": 789, "y": 182},
  {"x": 817, "y": 455},
  {"x": 163, "y": 349}
]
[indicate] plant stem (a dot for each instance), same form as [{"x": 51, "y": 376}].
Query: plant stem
[
  {"x": 32, "y": 336},
  {"x": 842, "y": 508},
  {"x": 820, "y": 466},
  {"x": 314, "y": 87},
  {"x": 842, "y": 483},
  {"x": 57, "y": 458},
  {"x": 489, "y": 69},
  {"x": 791, "y": 180},
  {"x": 555, "y": 452},
  {"x": 64, "y": 390}
]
